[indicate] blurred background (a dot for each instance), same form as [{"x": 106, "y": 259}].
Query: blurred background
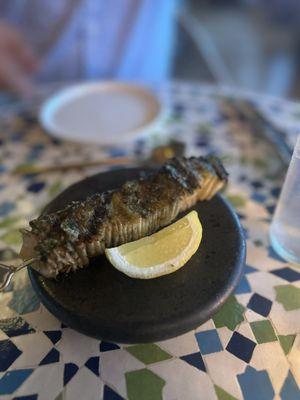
[
  {"x": 248, "y": 44},
  {"x": 251, "y": 44}
]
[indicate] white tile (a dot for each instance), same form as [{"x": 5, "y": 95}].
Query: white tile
[
  {"x": 180, "y": 345},
  {"x": 257, "y": 230},
  {"x": 183, "y": 381},
  {"x": 252, "y": 316},
  {"x": 46, "y": 380},
  {"x": 42, "y": 320},
  {"x": 6, "y": 397},
  {"x": 25, "y": 207},
  {"x": 114, "y": 364},
  {"x": 208, "y": 325},
  {"x": 3, "y": 336},
  {"x": 224, "y": 335},
  {"x": 223, "y": 368},
  {"x": 255, "y": 209},
  {"x": 258, "y": 258},
  {"x": 34, "y": 347},
  {"x": 263, "y": 283},
  {"x": 84, "y": 385},
  {"x": 243, "y": 298},
  {"x": 76, "y": 347},
  {"x": 285, "y": 322},
  {"x": 6, "y": 312},
  {"x": 245, "y": 330},
  {"x": 270, "y": 357}
]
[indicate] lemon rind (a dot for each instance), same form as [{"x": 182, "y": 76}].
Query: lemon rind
[{"x": 155, "y": 271}]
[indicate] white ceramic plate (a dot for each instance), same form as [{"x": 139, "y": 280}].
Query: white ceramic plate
[{"x": 103, "y": 112}]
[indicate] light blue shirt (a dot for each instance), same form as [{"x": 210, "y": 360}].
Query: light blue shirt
[{"x": 92, "y": 39}]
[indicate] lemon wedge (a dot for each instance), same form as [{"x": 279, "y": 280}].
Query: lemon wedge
[{"x": 161, "y": 253}]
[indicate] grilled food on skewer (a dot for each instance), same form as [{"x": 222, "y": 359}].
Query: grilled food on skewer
[{"x": 66, "y": 240}]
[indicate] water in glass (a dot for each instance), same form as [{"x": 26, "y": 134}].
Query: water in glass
[{"x": 285, "y": 227}]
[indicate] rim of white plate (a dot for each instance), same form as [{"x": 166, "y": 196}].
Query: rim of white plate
[{"x": 142, "y": 98}]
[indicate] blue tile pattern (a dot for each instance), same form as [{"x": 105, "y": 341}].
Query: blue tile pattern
[
  {"x": 8, "y": 354},
  {"x": 93, "y": 365},
  {"x": 54, "y": 336},
  {"x": 256, "y": 385},
  {"x": 275, "y": 191},
  {"x": 15, "y": 327},
  {"x": 69, "y": 371},
  {"x": 243, "y": 286},
  {"x": 258, "y": 197},
  {"x": 241, "y": 347},
  {"x": 249, "y": 269},
  {"x": 12, "y": 380},
  {"x": 209, "y": 341},
  {"x": 195, "y": 360},
  {"x": 36, "y": 187},
  {"x": 271, "y": 209},
  {"x": 66, "y": 359},
  {"x": 52, "y": 357},
  {"x": 287, "y": 273},
  {"x": 6, "y": 207},
  {"x": 109, "y": 394},
  {"x": 107, "y": 346},
  {"x": 275, "y": 256},
  {"x": 257, "y": 184},
  {"x": 35, "y": 152},
  {"x": 260, "y": 304},
  {"x": 290, "y": 389}
]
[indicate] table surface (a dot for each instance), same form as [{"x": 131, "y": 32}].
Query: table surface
[{"x": 248, "y": 350}]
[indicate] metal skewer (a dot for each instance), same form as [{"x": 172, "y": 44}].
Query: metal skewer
[
  {"x": 158, "y": 156},
  {"x": 35, "y": 169},
  {"x": 10, "y": 270}
]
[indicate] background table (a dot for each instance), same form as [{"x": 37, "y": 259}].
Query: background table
[{"x": 249, "y": 349}]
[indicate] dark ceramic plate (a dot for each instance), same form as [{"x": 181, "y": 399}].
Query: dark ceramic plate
[{"x": 102, "y": 302}]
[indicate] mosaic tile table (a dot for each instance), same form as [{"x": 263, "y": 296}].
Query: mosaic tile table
[{"x": 248, "y": 350}]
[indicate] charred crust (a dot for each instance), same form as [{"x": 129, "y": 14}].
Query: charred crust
[
  {"x": 218, "y": 167},
  {"x": 81, "y": 222}
]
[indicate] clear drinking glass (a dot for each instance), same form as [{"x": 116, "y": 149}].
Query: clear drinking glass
[{"x": 285, "y": 227}]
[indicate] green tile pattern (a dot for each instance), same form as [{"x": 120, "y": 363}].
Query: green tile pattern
[
  {"x": 263, "y": 331},
  {"x": 8, "y": 222},
  {"x": 12, "y": 238},
  {"x": 222, "y": 394},
  {"x": 60, "y": 396},
  {"x": 55, "y": 188},
  {"x": 230, "y": 315},
  {"x": 286, "y": 342},
  {"x": 173, "y": 369},
  {"x": 148, "y": 353},
  {"x": 144, "y": 385},
  {"x": 288, "y": 296},
  {"x": 236, "y": 200}
]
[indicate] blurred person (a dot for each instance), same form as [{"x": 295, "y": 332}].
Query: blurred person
[{"x": 65, "y": 40}]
